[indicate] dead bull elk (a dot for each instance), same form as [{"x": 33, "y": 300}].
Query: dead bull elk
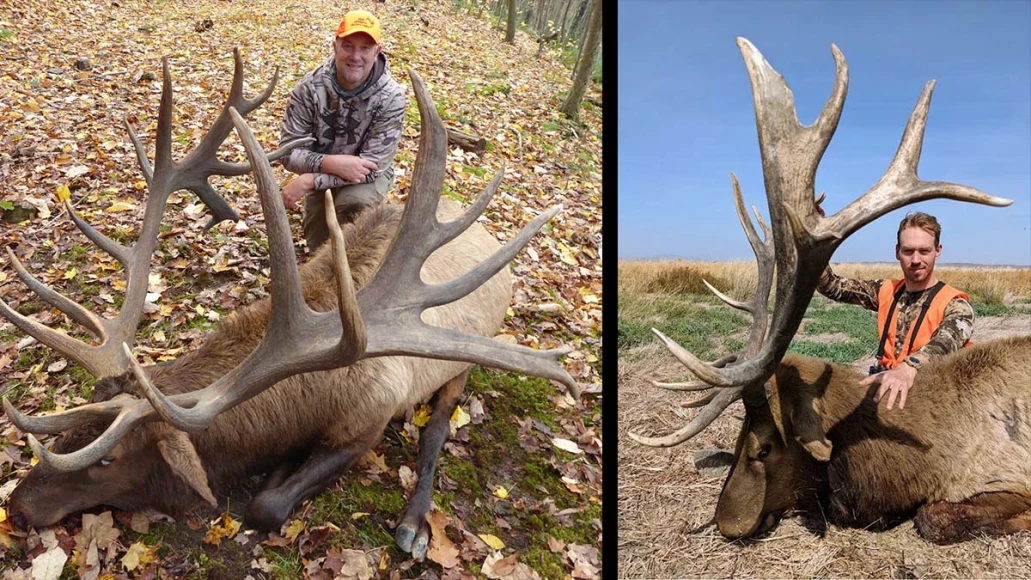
[
  {"x": 958, "y": 457},
  {"x": 389, "y": 313}
]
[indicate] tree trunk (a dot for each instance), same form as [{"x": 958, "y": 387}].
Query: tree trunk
[
  {"x": 542, "y": 19},
  {"x": 510, "y": 31},
  {"x": 562, "y": 27},
  {"x": 584, "y": 68}
]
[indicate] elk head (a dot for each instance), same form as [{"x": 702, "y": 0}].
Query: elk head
[
  {"x": 381, "y": 319},
  {"x": 782, "y": 438}
]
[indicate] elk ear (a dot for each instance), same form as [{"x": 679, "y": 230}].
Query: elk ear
[
  {"x": 805, "y": 421},
  {"x": 181, "y": 456}
]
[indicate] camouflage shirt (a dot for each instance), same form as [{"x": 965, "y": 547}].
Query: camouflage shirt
[
  {"x": 955, "y": 330},
  {"x": 367, "y": 124}
]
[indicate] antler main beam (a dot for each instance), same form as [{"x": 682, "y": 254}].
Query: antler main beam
[{"x": 803, "y": 241}]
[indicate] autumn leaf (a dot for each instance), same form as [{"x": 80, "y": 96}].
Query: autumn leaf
[
  {"x": 120, "y": 206},
  {"x": 63, "y": 193},
  {"x": 500, "y": 492},
  {"x": 222, "y": 531},
  {"x": 459, "y": 419},
  {"x": 294, "y": 529},
  {"x": 441, "y": 550},
  {"x": 138, "y": 554},
  {"x": 492, "y": 541},
  {"x": 49, "y": 564},
  {"x": 422, "y": 415},
  {"x": 70, "y": 274},
  {"x": 566, "y": 445}
]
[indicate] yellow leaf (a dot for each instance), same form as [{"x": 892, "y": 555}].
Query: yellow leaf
[
  {"x": 118, "y": 285},
  {"x": 138, "y": 555},
  {"x": 359, "y": 515},
  {"x": 63, "y": 193},
  {"x": 492, "y": 541},
  {"x": 459, "y": 419},
  {"x": 33, "y": 461},
  {"x": 500, "y": 493},
  {"x": 225, "y": 530},
  {"x": 120, "y": 206},
  {"x": 199, "y": 309},
  {"x": 70, "y": 274},
  {"x": 159, "y": 336},
  {"x": 294, "y": 529},
  {"x": 422, "y": 415},
  {"x": 141, "y": 185},
  {"x": 3, "y": 515},
  {"x": 510, "y": 312}
]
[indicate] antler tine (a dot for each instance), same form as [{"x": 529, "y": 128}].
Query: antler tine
[
  {"x": 898, "y": 187},
  {"x": 703, "y": 419}
]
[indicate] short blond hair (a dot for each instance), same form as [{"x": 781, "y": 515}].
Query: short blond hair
[{"x": 921, "y": 220}]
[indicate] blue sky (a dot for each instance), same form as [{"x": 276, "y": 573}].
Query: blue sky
[{"x": 686, "y": 118}]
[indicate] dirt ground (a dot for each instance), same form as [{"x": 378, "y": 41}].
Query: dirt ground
[{"x": 665, "y": 504}]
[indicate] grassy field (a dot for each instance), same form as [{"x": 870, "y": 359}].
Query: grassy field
[{"x": 665, "y": 503}]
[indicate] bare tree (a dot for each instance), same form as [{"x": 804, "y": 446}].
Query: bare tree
[
  {"x": 584, "y": 68},
  {"x": 510, "y": 31}
]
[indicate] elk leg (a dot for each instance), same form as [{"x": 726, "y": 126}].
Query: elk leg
[
  {"x": 413, "y": 532},
  {"x": 991, "y": 513},
  {"x": 269, "y": 509}
]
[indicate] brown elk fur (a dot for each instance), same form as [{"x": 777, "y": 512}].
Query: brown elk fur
[
  {"x": 964, "y": 433},
  {"x": 282, "y": 425}
]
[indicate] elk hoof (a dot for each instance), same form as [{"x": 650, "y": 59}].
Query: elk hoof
[{"x": 413, "y": 538}]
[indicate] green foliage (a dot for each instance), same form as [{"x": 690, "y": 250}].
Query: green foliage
[
  {"x": 990, "y": 309},
  {"x": 6, "y": 34},
  {"x": 6, "y": 205},
  {"x": 846, "y": 352}
]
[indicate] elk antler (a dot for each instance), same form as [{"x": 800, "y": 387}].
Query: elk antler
[
  {"x": 382, "y": 319},
  {"x": 803, "y": 240},
  {"x": 165, "y": 177}
]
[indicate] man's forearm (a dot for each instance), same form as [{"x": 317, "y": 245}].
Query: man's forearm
[{"x": 860, "y": 292}]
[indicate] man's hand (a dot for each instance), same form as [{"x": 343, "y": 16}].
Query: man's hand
[
  {"x": 298, "y": 187},
  {"x": 896, "y": 383},
  {"x": 348, "y": 167}
]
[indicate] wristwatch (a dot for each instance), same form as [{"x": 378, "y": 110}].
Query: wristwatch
[{"x": 913, "y": 362}]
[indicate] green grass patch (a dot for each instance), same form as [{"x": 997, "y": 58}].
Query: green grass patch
[
  {"x": 6, "y": 34},
  {"x": 989, "y": 309},
  {"x": 696, "y": 324},
  {"x": 858, "y": 323}
]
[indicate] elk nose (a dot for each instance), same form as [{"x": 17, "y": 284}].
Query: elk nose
[{"x": 18, "y": 520}]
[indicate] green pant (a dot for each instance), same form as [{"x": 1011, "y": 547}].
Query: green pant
[{"x": 350, "y": 200}]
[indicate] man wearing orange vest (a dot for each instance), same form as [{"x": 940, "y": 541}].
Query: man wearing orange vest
[{"x": 918, "y": 317}]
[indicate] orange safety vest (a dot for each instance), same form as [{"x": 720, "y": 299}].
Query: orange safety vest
[{"x": 924, "y": 326}]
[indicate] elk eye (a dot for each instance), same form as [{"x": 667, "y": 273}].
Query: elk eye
[
  {"x": 764, "y": 452},
  {"x": 106, "y": 461}
]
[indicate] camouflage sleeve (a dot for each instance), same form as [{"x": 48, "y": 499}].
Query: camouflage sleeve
[
  {"x": 384, "y": 134},
  {"x": 860, "y": 292},
  {"x": 299, "y": 122},
  {"x": 955, "y": 330}
]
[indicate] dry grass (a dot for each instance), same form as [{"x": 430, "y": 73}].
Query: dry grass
[
  {"x": 985, "y": 285},
  {"x": 664, "y": 503}
]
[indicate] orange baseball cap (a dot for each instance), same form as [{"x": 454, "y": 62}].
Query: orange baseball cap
[{"x": 359, "y": 21}]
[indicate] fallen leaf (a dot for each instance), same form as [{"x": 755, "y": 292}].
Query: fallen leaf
[
  {"x": 497, "y": 568},
  {"x": 492, "y": 541},
  {"x": 222, "y": 531},
  {"x": 355, "y": 566},
  {"x": 459, "y": 419},
  {"x": 49, "y": 564},
  {"x": 101, "y": 528},
  {"x": 358, "y": 515},
  {"x": 70, "y": 274},
  {"x": 441, "y": 550},
  {"x": 63, "y": 193},
  {"x": 422, "y": 415},
  {"x": 566, "y": 445},
  {"x": 500, "y": 492},
  {"x": 73, "y": 172},
  {"x": 294, "y": 529},
  {"x": 408, "y": 478},
  {"x": 138, "y": 554},
  {"x": 120, "y": 206},
  {"x": 556, "y": 545}
]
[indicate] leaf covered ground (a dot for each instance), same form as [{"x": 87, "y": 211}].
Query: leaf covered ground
[{"x": 519, "y": 485}]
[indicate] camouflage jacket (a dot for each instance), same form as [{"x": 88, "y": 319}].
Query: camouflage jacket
[
  {"x": 956, "y": 327},
  {"x": 368, "y": 124}
]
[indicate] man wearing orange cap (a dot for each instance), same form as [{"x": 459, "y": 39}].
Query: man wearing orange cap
[{"x": 354, "y": 109}]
